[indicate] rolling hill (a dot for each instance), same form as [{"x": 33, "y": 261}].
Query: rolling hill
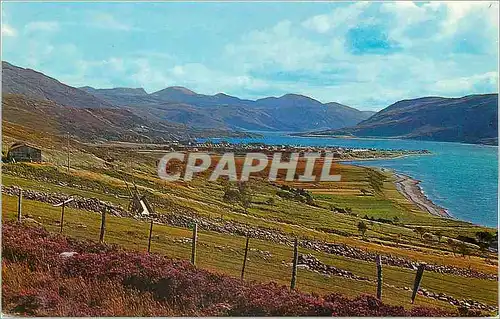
[
  {"x": 42, "y": 104},
  {"x": 290, "y": 112},
  {"x": 33, "y": 84},
  {"x": 469, "y": 119}
]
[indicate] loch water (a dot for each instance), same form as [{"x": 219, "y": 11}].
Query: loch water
[{"x": 462, "y": 178}]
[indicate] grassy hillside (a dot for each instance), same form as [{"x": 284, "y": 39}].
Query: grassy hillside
[
  {"x": 326, "y": 224},
  {"x": 106, "y": 281},
  {"x": 469, "y": 119}
]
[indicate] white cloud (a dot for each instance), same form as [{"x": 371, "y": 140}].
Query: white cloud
[
  {"x": 145, "y": 75},
  {"x": 107, "y": 21},
  {"x": 426, "y": 35},
  {"x": 310, "y": 57},
  {"x": 201, "y": 78},
  {"x": 343, "y": 17},
  {"x": 279, "y": 46},
  {"x": 47, "y": 26},
  {"x": 8, "y": 31},
  {"x": 467, "y": 83}
]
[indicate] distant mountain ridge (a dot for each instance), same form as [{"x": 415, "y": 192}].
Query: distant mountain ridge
[
  {"x": 177, "y": 111},
  {"x": 469, "y": 119},
  {"x": 290, "y": 112}
]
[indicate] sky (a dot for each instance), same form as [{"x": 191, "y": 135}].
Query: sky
[{"x": 365, "y": 55}]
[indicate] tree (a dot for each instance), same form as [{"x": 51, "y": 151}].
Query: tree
[
  {"x": 242, "y": 187},
  {"x": 485, "y": 237},
  {"x": 420, "y": 230},
  {"x": 463, "y": 249},
  {"x": 395, "y": 220},
  {"x": 246, "y": 201},
  {"x": 362, "y": 228},
  {"x": 427, "y": 237},
  {"x": 453, "y": 245},
  {"x": 270, "y": 201},
  {"x": 231, "y": 196},
  {"x": 309, "y": 200},
  {"x": 439, "y": 235},
  {"x": 484, "y": 240},
  {"x": 365, "y": 192}
]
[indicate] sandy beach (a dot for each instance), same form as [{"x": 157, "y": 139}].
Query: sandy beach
[{"x": 410, "y": 189}]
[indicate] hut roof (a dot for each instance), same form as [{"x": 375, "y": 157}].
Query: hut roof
[{"x": 19, "y": 144}]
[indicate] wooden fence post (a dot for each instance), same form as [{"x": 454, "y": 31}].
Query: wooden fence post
[
  {"x": 20, "y": 205},
  {"x": 379, "y": 277},
  {"x": 418, "y": 279},
  {"x": 150, "y": 235},
  {"x": 103, "y": 224},
  {"x": 193, "y": 244},
  {"x": 62, "y": 216},
  {"x": 245, "y": 258},
  {"x": 295, "y": 262}
]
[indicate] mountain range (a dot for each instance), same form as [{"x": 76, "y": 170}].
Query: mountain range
[
  {"x": 44, "y": 105},
  {"x": 469, "y": 119},
  {"x": 290, "y": 112},
  {"x": 176, "y": 107},
  {"x": 33, "y": 99}
]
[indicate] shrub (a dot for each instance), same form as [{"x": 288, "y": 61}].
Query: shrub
[{"x": 105, "y": 280}]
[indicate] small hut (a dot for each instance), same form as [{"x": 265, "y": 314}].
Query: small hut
[{"x": 21, "y": 152}]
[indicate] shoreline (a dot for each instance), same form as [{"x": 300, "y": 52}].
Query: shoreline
[
  {"x": 383, "y": 138},
  {"x": 379, "y": 158},
  {"x": 412, "y": 191}
]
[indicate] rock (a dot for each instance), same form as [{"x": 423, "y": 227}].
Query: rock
[
  {"x": 68, "y": 254},
  {"x": 185, "y": 218}
]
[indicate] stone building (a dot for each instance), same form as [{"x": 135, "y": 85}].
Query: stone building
[{"x": 20, "y": 152}]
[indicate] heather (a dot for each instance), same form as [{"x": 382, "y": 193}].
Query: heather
[{"x": 103, "y": 280}]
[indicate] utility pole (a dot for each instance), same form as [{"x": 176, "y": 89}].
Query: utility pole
[
  {"x": 67, "y": 138},
  {"x": 62, "y": 216},
  {"x": 418, "y": 279},
  {"x": 103, "y": 224},
  {"x": 193, "y": 244},
  {"x": 150, "y": 235},
  {"x": 245, "y": 258},
  {"x": 20, "y": 205},
  {"x": 295, "y": 262},
  {"x": 378, "y": 261}
]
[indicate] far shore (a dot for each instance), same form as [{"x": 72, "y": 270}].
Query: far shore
[{"x": 388, "y": 138}]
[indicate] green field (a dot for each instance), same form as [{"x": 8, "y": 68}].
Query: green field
[
  {"x": 268, "y": 261},
  {"x": 91, "y": 177},
  {"x": 224, "y": 253}
]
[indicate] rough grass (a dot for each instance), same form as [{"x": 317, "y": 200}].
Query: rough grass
[
  {"x": 35, "y": 293},
  {"x": 204, "y": 198},
  {"x": 105, "y": 281},
  {"x": 224, "y": 253}
]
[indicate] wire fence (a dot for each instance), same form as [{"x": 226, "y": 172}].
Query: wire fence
[{"x": 245, "y": 251}]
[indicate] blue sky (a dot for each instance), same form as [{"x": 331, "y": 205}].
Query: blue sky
[{"x": 366, "y": 55}]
